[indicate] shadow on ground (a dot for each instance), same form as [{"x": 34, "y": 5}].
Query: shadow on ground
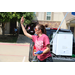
[{"x": 23, "y": 39}]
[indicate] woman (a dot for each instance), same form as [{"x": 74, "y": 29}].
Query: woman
[{"x": 41, "y": 42}]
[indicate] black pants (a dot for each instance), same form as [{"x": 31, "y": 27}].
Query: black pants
[{"x": 49, "y": 59}]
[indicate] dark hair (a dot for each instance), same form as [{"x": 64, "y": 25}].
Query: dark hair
[{"x": 42, "y": 27}]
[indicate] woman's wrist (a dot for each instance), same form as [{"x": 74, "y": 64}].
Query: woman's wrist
[
  {"x": 21, "y": 24},
  {"x": 43, "y": 52}
]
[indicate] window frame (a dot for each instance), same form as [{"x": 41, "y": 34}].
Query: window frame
[{"x": 48, "y": 15}]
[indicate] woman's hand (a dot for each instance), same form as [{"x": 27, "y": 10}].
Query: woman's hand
[
  {"x": 22, "y": 20},
  {"x": 38, "y": 53}
]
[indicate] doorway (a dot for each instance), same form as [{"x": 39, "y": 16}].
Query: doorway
[{"x": 12, "y": 26}]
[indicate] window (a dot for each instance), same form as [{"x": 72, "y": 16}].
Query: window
[{"x": 48, "y": 16}]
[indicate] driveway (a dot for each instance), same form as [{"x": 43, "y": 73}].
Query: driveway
[{"x": 15, "y": 52}]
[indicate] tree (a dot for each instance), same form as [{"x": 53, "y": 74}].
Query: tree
[{"x": 15, "y": 16}]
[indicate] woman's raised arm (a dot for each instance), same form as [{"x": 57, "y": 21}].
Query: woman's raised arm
[{"x": 23, "y": 28}]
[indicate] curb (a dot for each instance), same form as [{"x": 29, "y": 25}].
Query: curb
[{"x": 14, "y": 44}]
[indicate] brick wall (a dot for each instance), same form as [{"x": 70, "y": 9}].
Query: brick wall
[{"x": 51, "y": 24}]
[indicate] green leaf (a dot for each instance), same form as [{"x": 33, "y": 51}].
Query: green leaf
[
  {"x": 13, "y": 15},
  {"x": 7, "y": 16}
]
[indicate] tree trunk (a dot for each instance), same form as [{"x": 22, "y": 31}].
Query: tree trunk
[{"x": 3, "y": 29}]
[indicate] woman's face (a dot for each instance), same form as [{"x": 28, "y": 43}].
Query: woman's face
[{"x": 37, "y": 31}]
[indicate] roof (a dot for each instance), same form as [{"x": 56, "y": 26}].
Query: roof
[{"x": 72, "y": 20}]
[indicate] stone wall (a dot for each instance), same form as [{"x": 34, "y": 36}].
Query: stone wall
[{"x": 51, "y": 24}]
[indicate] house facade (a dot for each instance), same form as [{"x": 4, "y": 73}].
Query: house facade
[
  {"x": 9, "y": 27},
  {"x": 52, "y": 19}
]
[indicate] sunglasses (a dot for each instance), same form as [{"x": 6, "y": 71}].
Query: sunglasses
[{"x": 36, "y": 29}]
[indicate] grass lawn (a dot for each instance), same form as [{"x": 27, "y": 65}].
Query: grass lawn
[{"x": 8, "y": 38}]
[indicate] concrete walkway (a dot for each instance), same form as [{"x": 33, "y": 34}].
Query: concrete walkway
[
  {"x": 23, "y": 39},
  {"x": 15, "y": 52}
]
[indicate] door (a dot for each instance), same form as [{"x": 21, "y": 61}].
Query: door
[{"x": 12, "y": 26}]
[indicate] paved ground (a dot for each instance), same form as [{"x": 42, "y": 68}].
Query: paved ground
[
  {"x": 15, "y": 52},
  {"x": 23, "y": 40}
]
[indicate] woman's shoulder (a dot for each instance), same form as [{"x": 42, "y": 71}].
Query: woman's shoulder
[{"x": 34, "y": 35}]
